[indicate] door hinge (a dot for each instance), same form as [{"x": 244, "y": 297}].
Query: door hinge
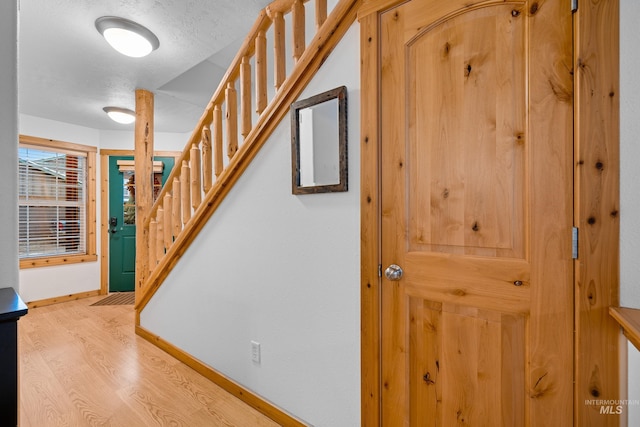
[
  {"x": 574, "y": 6},
  {"x": 574, "y": 243},
  {"x": 379, "y": 270}
]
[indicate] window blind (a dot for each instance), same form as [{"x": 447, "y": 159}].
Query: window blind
[{"x": 51, "y": 202}]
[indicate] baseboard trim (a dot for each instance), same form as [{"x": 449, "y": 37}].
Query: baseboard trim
[
  {"x": 248, "y": 397},
  {"x": 63, "y": 298}
]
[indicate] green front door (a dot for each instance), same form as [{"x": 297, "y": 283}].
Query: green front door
[{"x": 122, "y": 221}]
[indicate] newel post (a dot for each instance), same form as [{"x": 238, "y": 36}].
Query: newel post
[{"x": 144, "y": 182}]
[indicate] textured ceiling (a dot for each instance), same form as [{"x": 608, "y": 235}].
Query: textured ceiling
[{"x": 68, "y": 72}]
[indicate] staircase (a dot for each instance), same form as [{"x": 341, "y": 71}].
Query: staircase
[{"x": 251, "y": 100}]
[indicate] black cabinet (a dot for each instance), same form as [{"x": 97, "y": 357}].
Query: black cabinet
[{"x": 11, "y": 309}]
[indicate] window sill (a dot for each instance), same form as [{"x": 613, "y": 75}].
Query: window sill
[{"x": 57, "y": 260}]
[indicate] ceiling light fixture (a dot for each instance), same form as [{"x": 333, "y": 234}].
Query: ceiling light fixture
[
  {"x": 127, "y": 37},
  {"x": 120, "y": 115}
]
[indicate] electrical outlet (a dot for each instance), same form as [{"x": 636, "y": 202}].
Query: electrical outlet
[{"x": 255, "y": 351}]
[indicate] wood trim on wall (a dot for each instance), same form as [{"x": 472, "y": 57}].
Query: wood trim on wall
[
  {"x": 61, "y": 145},
  {"x": 64, "y": 298},
  {"x": 373, "y": 7},
  {"x": 116, "y": 152},
  {"x": 235, "y": 389},
  {"x": 91, "y": 206},
  {"x": 174, "y": 154},
  {"x": 369, "y": 223},
  {"x": 58, "y": 260},
  {"x": 598, "y": 348},
  {"x": 104, "y": 220}
]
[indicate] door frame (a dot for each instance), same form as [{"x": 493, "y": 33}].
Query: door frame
[
  {"x": 104, "y": 208},
  {"x": 599, "y": 358}
]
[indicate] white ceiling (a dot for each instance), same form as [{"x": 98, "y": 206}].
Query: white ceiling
[{"x": 68, "y": 72}]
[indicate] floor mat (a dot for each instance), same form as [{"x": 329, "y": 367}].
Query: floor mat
[{"x": 118, "y": 298}]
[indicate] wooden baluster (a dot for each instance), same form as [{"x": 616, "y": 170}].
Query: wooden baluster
[
  {"x": 160, "y": 234},
  {"x": 176, "y": 212},
  {"x": 217, "y": 139},
  {"x": 245, "y": 96},
  {"x": 280, "y": 68},
  {"x": 196, "y": 185},
  {"x": 231, "y": 100},
  {"x": 207, "y": 167},
  {"x": 299, "y": 43},
  {"x": 168, "y": 228},
  {"x": 185, "y": 190},
  {"x": 153, "y": 233},
  {"x": 261, "y": 72},
  {"x": 321, "y": 13}
]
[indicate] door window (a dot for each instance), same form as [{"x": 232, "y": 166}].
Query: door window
[{"x": 129, "y": 195}]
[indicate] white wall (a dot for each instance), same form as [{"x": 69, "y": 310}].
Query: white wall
[
  {"x": 282, "y": 270},
  {"x": 55, "y": 281},
  {"x": 9, "y": 144},
  {"x": 630, "y": 181}
]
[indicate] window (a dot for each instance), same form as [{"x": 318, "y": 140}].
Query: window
[{"x": 56, "y": 202}]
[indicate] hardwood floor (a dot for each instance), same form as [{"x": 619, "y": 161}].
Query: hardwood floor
[{"x": 84, "y": 366}]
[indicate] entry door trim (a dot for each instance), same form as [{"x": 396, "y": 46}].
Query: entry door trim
[{"x": 104, "y": 208}]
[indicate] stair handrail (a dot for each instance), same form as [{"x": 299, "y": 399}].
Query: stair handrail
[{"x": 200, "y": 178}]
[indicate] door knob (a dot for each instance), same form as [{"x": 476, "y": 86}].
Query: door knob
[{"x": 394, "y": 272}]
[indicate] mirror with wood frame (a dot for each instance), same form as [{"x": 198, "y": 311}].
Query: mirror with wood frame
[{"x": 319, "y": 143}]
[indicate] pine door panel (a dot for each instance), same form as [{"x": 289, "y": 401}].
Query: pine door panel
[
  {"x": 476, "y": 184},
  {"x": 476, "y": 375},
  {"x": 466, "y": 138}
]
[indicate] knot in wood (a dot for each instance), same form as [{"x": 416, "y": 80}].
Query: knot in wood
[
  {"x": 427, "y": 378},
  {"x": 534, "y": 8}
]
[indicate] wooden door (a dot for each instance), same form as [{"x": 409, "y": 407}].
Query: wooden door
[{"x": 476, "y": 206}]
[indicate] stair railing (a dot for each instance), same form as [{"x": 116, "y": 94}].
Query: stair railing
[{"x": 235, "y": 115}]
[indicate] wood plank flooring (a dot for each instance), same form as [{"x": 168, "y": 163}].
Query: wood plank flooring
[{"x": 84, "y": 366}]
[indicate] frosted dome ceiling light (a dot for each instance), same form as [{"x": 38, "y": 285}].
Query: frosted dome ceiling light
[
  {"x": 120, "y": 115},
  {"x": 127, "y": 37}
]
